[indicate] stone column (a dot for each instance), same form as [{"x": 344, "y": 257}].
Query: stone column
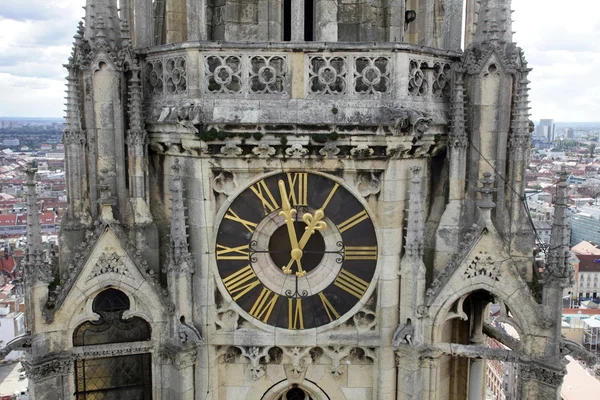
[
  {"x": 326, "y": 28},
  {"x": 197, "y": 23},
  {"x": 430, "y": 372},
  {"x": 453, "y": 24},
  {"x": 143, "y": 23},
  {"x": 297, "y": 21},
  {"x": 395, "y": 17},
  {"x": 449, "y": 227},
  {"x": 477, "y": 366}
]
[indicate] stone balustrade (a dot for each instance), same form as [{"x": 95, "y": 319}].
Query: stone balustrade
[{"x": 246, "y": 71}]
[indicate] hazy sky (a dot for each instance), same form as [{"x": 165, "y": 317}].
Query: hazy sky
[{"x": 562, "y": 45}]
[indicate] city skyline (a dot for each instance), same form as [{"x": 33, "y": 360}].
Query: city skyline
[{"x": 37, "y": 40}]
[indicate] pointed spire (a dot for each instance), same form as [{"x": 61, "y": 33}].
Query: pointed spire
[
  {"x": 102, "y": 21},
  {"x": 458, "y": 133},
  {"x": 558, "y": 268},
  {"x": 179, "y": 252},
  {"x": 36, "y": 267},
  {"x": 494, "y": 21},
  {"x": 415, "y": 229}
]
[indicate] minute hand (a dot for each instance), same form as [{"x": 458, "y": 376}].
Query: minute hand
[{"x": 313, "y": 223}]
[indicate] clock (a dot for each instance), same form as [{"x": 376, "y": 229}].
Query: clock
[{"x": 296, "y": 251}]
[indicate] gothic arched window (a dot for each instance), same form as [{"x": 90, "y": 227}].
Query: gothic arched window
[{"x": 119, "y": 377}]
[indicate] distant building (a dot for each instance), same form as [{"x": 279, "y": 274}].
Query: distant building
[
  {"x": 546, "y": 128},
  {"x": 11, "y": 142},
  {"x": 584, "y": 227},
  {"x": 569, "y": 133},
  {"x": 586, "y": 248},
  {"x": 587, "y": 277}
]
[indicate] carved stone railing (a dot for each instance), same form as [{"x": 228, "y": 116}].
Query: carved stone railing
[{"x": 280, "y": 71}]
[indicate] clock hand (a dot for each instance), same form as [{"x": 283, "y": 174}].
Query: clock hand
[
  {"x": 288, "y": 212},
  {"x": 313, "y": 223}
]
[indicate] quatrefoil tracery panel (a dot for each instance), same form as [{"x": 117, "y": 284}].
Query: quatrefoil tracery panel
[{"x": 372, "y": 75}]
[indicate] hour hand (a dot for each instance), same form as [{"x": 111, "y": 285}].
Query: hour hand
[{"x": 288, "y": 212}]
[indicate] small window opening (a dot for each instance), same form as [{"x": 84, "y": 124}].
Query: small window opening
[
  {"x": 287, "y": 20},
  {"x": 309, "y": 20}
]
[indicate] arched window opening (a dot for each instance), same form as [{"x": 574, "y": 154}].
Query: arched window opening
[
  {"x": 111, "y": 327},
  {"x": 123, "y": 377},
  {"x": 295, "y": 393}
]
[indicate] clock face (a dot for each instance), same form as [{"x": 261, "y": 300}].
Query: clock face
[{"x": 296, "y": 250}]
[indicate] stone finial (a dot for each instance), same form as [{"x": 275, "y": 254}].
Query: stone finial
[
  {"x": 487, "y": 190},
  {"x": 558, "y": 269},
  {"x": 415, "y": 230},
  {"x": 494, "y": 21},
  {"x": 180, "y": 257},
  {"x": 458, "y": 133}
]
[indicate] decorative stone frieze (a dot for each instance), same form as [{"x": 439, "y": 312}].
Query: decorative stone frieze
[
  {"x": 362, "y": 151},
  {"x": 258, "y": 356},
  {"x": 330, "y": 150}
]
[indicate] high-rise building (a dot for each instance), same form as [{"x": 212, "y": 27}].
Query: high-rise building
[
  {"x": 569, "y": 133},
  {"x": 547, "y": 129},
  {"x": 293, "y": 200}
]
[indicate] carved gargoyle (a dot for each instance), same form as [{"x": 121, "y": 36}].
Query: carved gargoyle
[
  {"x": 189, "y": 334},
  {"x": 411, "y": 122},
  {"x": 403, "y": 334}
]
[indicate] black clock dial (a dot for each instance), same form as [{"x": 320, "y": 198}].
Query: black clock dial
[{"x": 296, "y": 250}]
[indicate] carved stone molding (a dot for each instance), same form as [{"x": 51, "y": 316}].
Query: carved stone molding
[
  {"x": 330, "y": 150},
  {"x": 49, "y": 368},
  {"x": 483, "y": 265},
  {"x": 542, "y": 374},
  {"x": 258, "y": 357},
  {"x": 297, "y": 359},
  {"x": 115, "y": 350},
  {"x": 368, "y": 183},
  {"x": 263, "y": 150},
  {"x": 407, "y": 121},
  {"x": 227, "y": 319},
  {"x": 180, "y": 357},
  {"x": 362, "y": 151},
  {"x": 109, "y": 262},
  {"x": 365, "y": 320},
  {"x": 231, "y": 150},
  {"x": 296, "y": 151},
  {"x": 224, "y": 182}
]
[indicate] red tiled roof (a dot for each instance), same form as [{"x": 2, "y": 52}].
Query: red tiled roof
[
  {"x": 7, "y": 263},
  {"x": 8, "y": 219},
  {"x": 589, "y": 262}
]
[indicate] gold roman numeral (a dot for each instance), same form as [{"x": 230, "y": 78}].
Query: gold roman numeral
[
  {"x": 298, "y": 193},
  {"x": 261, "y": 191},
  {"x": 295, "y": 315},
  {"x": 329, "y": 197},
  {"x": 263, "y": 306},
  {"x": 350, "y": 222},
  {"x": 241, "y": 282},
  {"x": 360, "y": 252},
  {"x": 351, "y": 283},
  {"x": 251, "y": 226},
  {"x": 232, "y": 253},
  {"x": 331, "y": 312}
]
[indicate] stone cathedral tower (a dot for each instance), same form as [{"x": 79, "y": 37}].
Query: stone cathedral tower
[{"x": 298, "y": 199}]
